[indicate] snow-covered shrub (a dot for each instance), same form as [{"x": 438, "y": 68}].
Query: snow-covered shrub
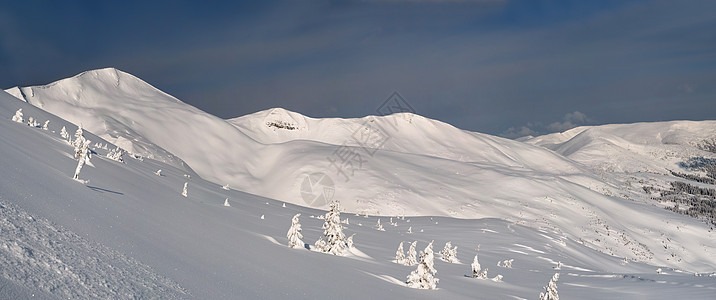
[
  {"x": 483, "y": 274},
  {"x": 423, "y": 277},
  {"x": 226, "y": 203},
  {"x": 335, "y": 241},
  {"x": 184, "y": 191},
  {"x": 32, "y": 122},
  {"x": 158, "y": 172},
  {"x": 18, "y": 116},
  {"x": 550, "y": 291},
  {"x": 497, "y": 278},
  {"x": 507, "y": 263},
  {"x": 294, "y": 233},
  {"x": 410, "y": 230},
  {"x": 400, "y": 255},
  {"x": 116, "y": 154},
  {"x": 379, "y": 226},
  {"x": 226, "y": 187},
  {"x": 449, "y": 253},
  {"x": 44, "y": 126}
]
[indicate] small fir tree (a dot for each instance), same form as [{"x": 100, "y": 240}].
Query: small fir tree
[
  {"x": 400, "y": 255},
  {"x": 412, "y": 255},
  {"x": 184, "y": 191},
  {"x": 294, "y": 233},
  {"x": 335, "y": 241},
  {"x": 550, "y": 291},
  {"x": 423, "y": 277}
]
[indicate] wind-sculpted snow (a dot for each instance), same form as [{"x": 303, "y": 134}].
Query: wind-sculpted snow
[{"x": 37, "y": 255}]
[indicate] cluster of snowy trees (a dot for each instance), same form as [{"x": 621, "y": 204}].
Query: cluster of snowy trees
[
  {"x": 333, "y": 241},
  {"x": 32, "y": 122}
]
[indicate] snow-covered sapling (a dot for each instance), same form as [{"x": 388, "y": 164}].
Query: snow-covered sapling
[
  {"x": 335, "y": 241},
  {"x": 226, "y": 187},
  {"x": 18, "y": 116},
  {"x": 423, "y": 277},
  {"x": 44, "y": 126},
  {"x": 64, "y": 134},
  {"x": 158, "y": 172},
  {"x": 412, "y": 258},
  {"x": 410, "y": 230},
  {"x": 184, "y": 190},
  {"x": 550, "y": 291},
  {"x": 559, "y": 266},
  {"x": 379, "y": 226},
  {"x": 449, "y": 254},
  {"x": 226, "y": 202},
  {"x": 349, "y": 241},
  {"x": 476, "y": 268},
  {"x": 82, "y": 152},
  {"x": 497, "y": 278},
  {"x": 294, "y": 233},
  {"x": 400, "y": 255}
]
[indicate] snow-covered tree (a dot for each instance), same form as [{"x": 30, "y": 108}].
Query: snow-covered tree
[
  {"x": 497, "y": 278},
  {"x": 226, "y": 202},
  {"x": 550, "y": 291},
  {"x": 423, "y": 277},
  {"x": 379, "y": 226},
  {"x": 226, "y": 187},
  {"x": 83, "y": 155},
  {"x": 449, "y": 254},
  {"x": 44, "y": 126},
  {"x": 559, "y": 266},
  {"x": 79, "y": 138},
  {"x": 476, "y": 268},
  {"x": 410, "y": 230},
  {"x": 158, "y": 172},
  {"x": 400, "y": 255},
  {"x": 184, "y": 191},
  {"x": 18, "y": 116},
  {"x": 412, "y": 259},
  {"x": 82, "y": 152},
  {"x": 335, "y": 241},
  {"x": 64, "y": 134},
  {"x": 294, "y": 233}
]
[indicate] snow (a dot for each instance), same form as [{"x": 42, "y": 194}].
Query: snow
[{"x": 517, "y": 200}]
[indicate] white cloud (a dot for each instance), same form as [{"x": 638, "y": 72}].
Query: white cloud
[{"x": 569, "y": 121}]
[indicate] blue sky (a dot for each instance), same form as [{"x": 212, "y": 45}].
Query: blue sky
[{"x": 497, "y": 66}]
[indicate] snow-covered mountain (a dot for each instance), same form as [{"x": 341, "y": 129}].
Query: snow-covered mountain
[
  {"x": 551, "y": 192},
  {"x": 128, "y": 233}
]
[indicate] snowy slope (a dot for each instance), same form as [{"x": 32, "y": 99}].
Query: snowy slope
[
  {"x": 127, "y": 233},
  {"x": 638, "y": 147},
  {"x": 423, "y": 167}
]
